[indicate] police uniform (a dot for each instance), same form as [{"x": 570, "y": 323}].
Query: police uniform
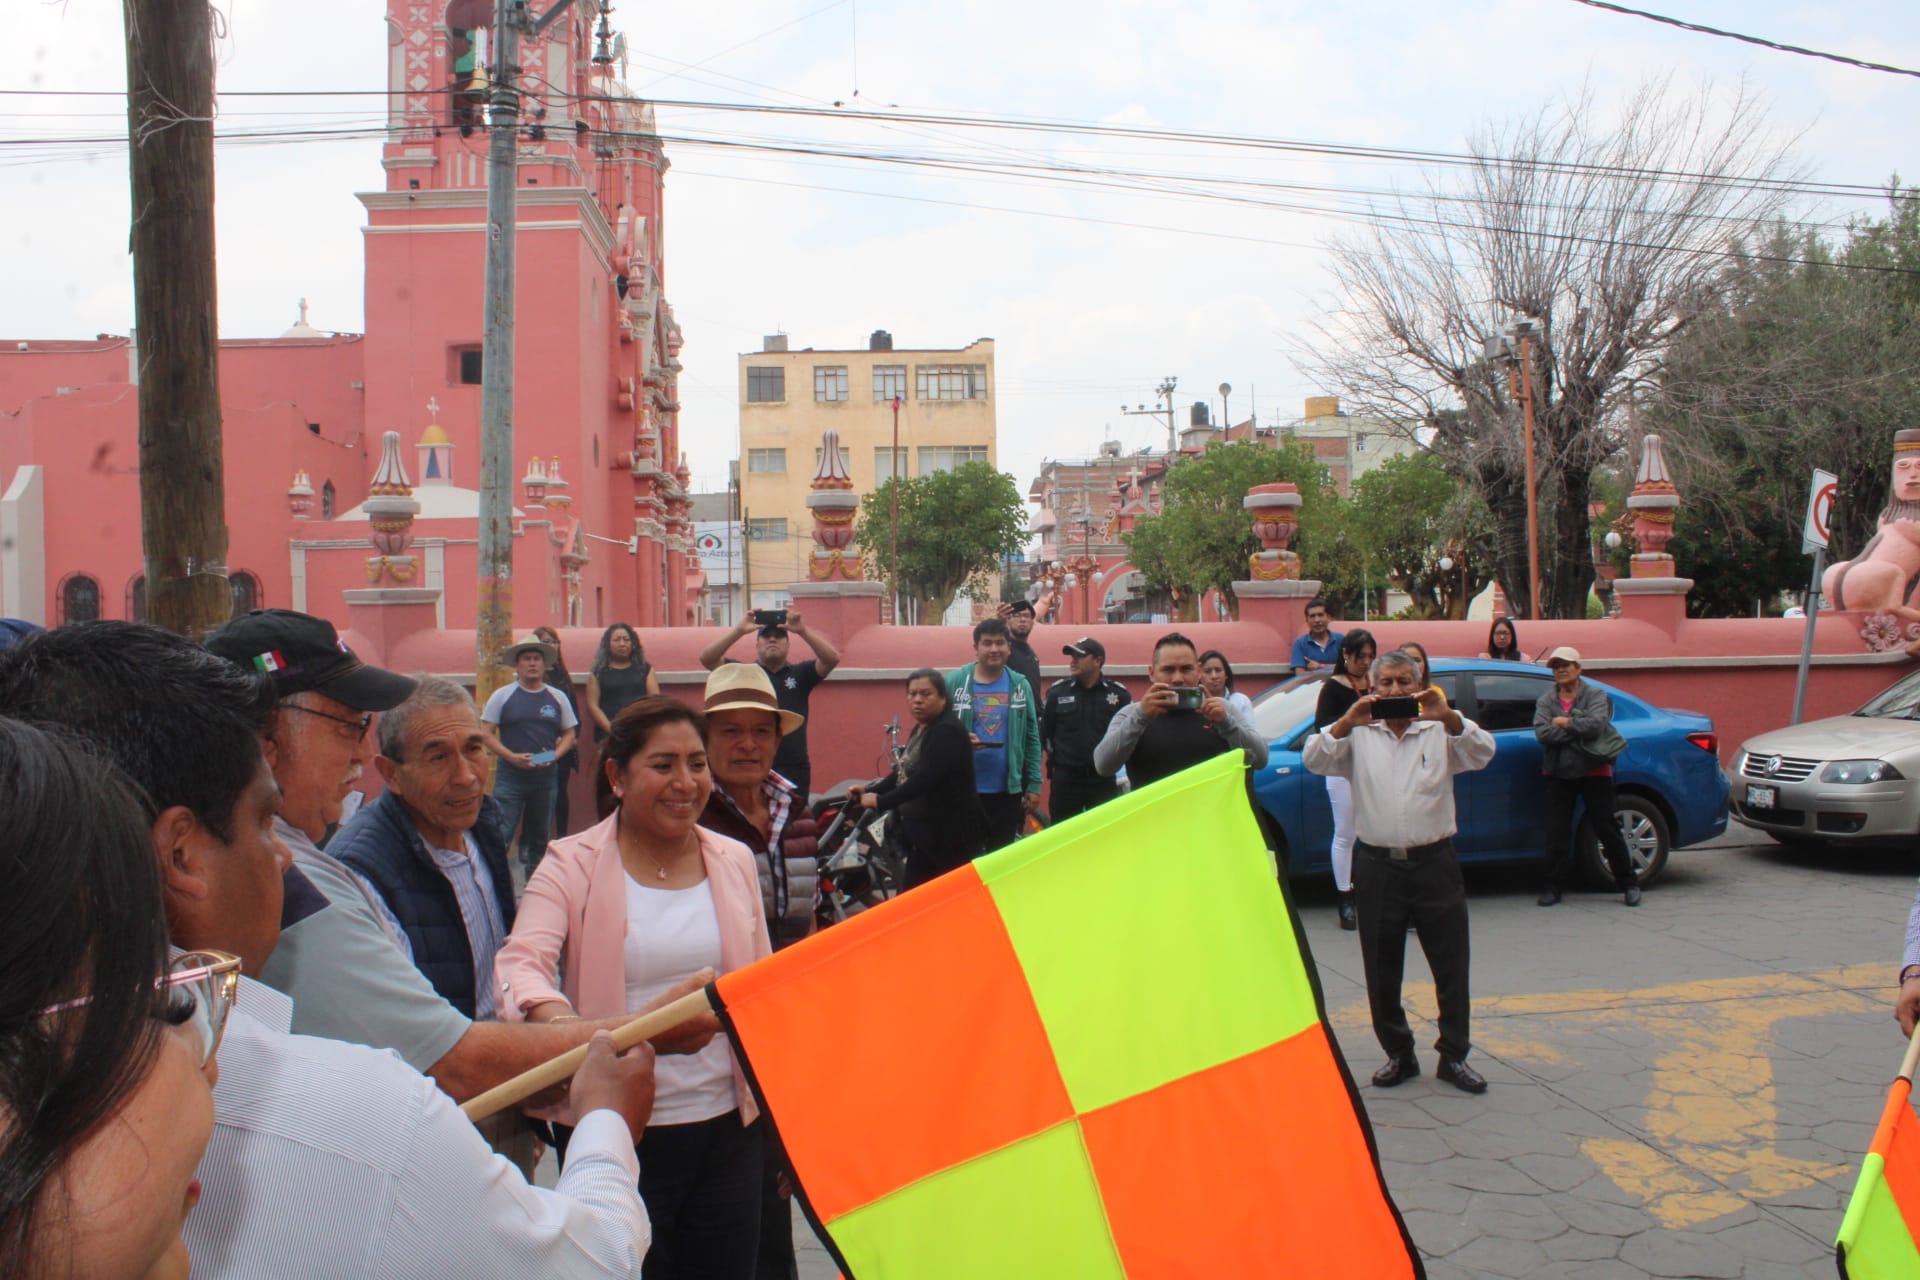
[{"x": 1072, "y": 722}]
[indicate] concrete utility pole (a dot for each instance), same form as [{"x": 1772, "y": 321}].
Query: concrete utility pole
[
  {"x": 1163, "y": 392},
  {"x": 493, "y": 626},
  {"x": 183, "y": 519}
]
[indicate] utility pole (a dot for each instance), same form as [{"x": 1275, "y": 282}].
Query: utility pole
[
  {"x": 1526, "y": 330},
  {"x": 183, "y": 522},
  {"x": 1162, "y": 392},
  {"x": 493, "y": 625}
]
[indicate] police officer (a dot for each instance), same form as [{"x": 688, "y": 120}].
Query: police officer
[{"x": 1072, "y": 722}]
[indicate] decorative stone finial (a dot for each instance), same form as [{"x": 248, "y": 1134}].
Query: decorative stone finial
[
  {"x": 1276, "y": 517},
  {"x": 535, "y": 482},
  {"x": 833, "y": 504},
  {"x": 300, "y": 496},
  {"x": 390, "y": 509},
  {"x": 1654, "y": 503},
  {"x": 558, "y": 494}
]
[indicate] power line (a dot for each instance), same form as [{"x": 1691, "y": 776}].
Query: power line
[{"x": 1841, "y": 58}]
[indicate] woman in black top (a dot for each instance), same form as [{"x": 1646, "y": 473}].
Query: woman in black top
[
  {"x": 621, "y": 674},
  {"x": 1352, "y": 675},
  {"x": 563, "y": 768},
  {"x": 942, "y": 825}
]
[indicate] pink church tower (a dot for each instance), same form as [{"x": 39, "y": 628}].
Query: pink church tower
[{"x": 596, "y": 365}]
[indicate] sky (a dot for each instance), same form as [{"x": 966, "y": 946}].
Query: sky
[{"x": 1092, "y": 295}]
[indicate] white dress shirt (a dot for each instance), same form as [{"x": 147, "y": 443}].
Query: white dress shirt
[
  {"x": 1402, "y": 786},
  {"x": 333, "y": 1160}
]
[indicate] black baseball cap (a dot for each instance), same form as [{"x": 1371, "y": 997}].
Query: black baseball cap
[
  {"x": 1085, "y": 647},
  {"x": 1020, "y": 606},
  {"x": 301, "y": 653}
]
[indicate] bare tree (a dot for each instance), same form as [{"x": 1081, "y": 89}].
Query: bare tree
[{"x": 1610, "y": 234}]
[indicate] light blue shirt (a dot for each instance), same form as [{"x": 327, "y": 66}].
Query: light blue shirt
[{"x": 480, "y": 911}]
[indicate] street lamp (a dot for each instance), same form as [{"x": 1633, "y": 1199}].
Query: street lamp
[
  {"x": 1500, "y": 348},
  {"x": 1226, "y": 418}
]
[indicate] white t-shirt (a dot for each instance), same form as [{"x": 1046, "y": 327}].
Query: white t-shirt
[{"x": 671, "y": 935}]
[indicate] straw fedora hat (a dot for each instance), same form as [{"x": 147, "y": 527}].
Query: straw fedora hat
[
  {"x": 744, "y": 686},
  {"x": 535, "y": 643}
]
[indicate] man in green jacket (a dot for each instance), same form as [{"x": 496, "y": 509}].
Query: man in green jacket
[{"x": 999, "y": 709}]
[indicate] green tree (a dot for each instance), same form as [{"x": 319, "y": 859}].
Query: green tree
[
  {"x": 1203, "y": 537},
  {"x": 1409, "y": 515},
  {"x": 956, "y": 527},
  {"x": 1814, "y": 361}
]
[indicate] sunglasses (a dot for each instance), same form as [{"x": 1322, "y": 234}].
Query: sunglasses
[{"x": 210, "y": 980}]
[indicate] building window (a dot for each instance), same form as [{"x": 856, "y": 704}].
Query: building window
[
  {"x": 246, "y": 592},
  {"x": 950, "y": 381},
  {"x": 945, "y": 457},
  {"x": 326, "y": 501},
  {"x": 766, "y": 384},
  {"x": 889, "y": 380},
  {"x": 466, "y": 365},
  {"x": 845, "y": 464},
  {"x": 769, "y": 530},
  {"x": 829, "y": 382},
  {"x": 766, "y": 460},
  {"x": 889, "y": 463},
  {"x": 79, "y": 599},
  {"x": 137, "y": 598}
]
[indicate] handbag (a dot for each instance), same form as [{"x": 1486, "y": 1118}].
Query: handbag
[{"x": 1605, "y": 745}]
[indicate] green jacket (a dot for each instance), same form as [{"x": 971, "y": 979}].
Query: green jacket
[{"x": 1023, "y": 725}]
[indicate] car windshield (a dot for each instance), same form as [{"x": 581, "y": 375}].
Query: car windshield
[
  {"x": 1285, "y": 706},
  {"x": 1899, "y": 701}
]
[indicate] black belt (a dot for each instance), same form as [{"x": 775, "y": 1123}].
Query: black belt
[{"x": 1406, "y": 852}]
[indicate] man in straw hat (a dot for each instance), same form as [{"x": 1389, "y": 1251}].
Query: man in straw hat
[{"x": 530, "y": 725}]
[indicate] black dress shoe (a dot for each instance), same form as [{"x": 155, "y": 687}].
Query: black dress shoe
[
  {"x": 1548, "y": 898},
  {"x": 1397, "y": 1070},
  {"x": 1632, "y": 896},
  {"x": 1460, "y": 1076},
  {"x": 1349, "y": 918}
]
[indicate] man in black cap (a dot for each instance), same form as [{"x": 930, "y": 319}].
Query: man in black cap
[
  {"x": 793, "y": 682},
  {"x": 1018, "y": 616},
  {"x": 1072, "y": 722}
]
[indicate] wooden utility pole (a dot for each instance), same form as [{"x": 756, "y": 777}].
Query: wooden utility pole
[{"x": 183, "y": 518}]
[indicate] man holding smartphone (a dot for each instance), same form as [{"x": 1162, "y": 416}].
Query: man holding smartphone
[
  {"x": 793, "y": 682},
  {"x": 1400, "y": 746},
  {"x": 1176, "y": 725}
]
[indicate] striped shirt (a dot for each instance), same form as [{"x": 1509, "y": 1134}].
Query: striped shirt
[
  {"x": 334, "y": 1160},
  {"x": 480, "y": 909}
]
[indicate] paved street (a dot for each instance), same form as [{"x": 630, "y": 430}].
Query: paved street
[{"x": 1678, "y": 1090}]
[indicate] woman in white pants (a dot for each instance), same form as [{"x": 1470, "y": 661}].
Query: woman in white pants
[{"x": 1339, "y": 691}]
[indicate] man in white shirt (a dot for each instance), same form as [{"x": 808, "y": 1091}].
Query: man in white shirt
[
  {"x": 327, "y": 1159},
  {"x": 1404, "y": 870}
]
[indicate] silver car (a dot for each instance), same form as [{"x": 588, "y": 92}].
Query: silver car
[{"x": 1852, "y": 779}]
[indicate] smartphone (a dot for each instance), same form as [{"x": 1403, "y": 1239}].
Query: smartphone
[
  {"x": 1396, "y": 709},
  {"x": 770, "y": 617},
  {"x": 541, "y": 757},
  {"x": 1189, "y": 697}
]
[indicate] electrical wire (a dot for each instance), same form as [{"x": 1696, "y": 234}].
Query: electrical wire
[{"x": 1764, "y": 43}]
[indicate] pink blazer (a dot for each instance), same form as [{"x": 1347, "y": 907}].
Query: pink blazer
[{"x": 573, "y": 920}]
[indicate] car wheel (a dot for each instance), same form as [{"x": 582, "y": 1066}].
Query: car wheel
[{"x": 1648, "y": 842}]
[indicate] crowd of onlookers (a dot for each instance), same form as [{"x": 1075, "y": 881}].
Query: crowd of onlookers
[{"x": 193, "y": 874}]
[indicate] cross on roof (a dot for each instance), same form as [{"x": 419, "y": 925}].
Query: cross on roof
[{"x": 433, "y": 406}]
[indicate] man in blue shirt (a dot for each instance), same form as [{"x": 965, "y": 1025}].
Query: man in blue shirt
[
  {"x": 1320, "y": 647},
  {"x": 999, "y": 709},
  {"x": 529, "y": 726}
]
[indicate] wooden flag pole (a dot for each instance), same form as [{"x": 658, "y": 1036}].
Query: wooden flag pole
[
  {"x": 554, "y": 1070},
  {"x": 1912, "y": 1060}
]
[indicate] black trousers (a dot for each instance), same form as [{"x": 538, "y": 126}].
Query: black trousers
[
  {"x": 1597, "y": 791},
  {"x": 702, "y": 1186},
  {"x": 1073, "y": 795},
  {"x": 775, "y": 1260},
  {"x": 1425, "y": 890},
  {"x": 1005, "y": 815},
  {"x": 563, "y": 771}
]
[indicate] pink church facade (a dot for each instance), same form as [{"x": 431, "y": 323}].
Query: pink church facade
[{"x": 602, "y": 526}]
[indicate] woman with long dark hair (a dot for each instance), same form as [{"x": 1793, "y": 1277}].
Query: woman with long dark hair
[
  {"x": 1503, "y": 641},
  {"x": 1350, "y": 680},
  {"x": 620, "y": 676},
  {"x": 620, "y": 914},
  {"x": 932, "y": 789},
  {"x": 106, "y": 1062},
  {"x": 564, "y": 767}
]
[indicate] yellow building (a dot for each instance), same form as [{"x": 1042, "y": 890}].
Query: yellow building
[{"x": 788, "y": 398}]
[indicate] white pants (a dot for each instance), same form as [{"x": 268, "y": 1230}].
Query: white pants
[{"x": 1340, "y": 798}]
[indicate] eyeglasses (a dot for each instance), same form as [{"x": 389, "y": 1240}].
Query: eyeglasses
[
  {"x": 210, "y": 979},
  {"x": 359, "y": 725}
]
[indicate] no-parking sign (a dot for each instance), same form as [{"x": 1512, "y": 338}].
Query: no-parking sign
[{"x": 1819, "y": 527}]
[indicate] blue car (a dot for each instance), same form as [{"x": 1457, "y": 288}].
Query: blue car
[{"x": 1669, "y": 789}]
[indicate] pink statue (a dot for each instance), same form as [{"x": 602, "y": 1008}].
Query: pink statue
[{"x": 1876, "y": 579}]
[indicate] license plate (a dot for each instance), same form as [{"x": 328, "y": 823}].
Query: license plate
[{"x": 1762, "y": 797}]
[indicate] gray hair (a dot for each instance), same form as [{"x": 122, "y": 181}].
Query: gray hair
[
  {"x": 1391, "y": 660},
  {"x": 431, "y": 692}
]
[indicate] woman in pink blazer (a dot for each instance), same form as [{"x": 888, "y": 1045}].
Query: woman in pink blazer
[{"x": 615, "y": 916}]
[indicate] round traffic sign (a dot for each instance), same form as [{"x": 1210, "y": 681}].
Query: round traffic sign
[{"x": 1822, "y": 513}]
